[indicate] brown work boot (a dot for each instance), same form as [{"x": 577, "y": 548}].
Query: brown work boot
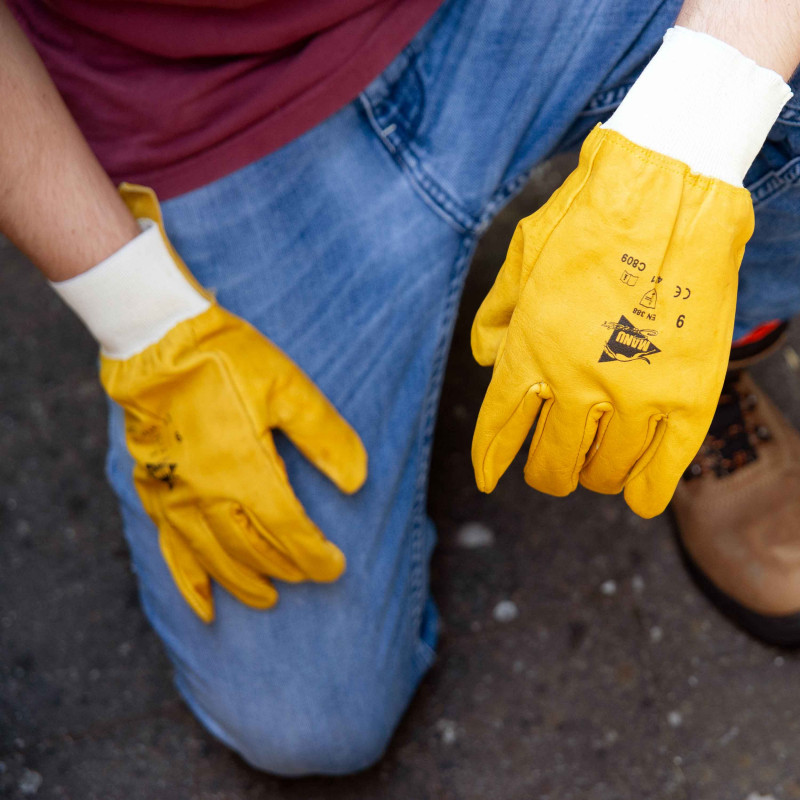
[{"x": 738, "y": 513}]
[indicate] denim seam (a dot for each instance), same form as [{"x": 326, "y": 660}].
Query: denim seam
[
  {"x": 600, "y": 103},
  {"x": 439, "y": 200},
  {"x": 500, "y": 198},
  {"x": 427, "y": 426},
  {"x": 773, "y": 183},
  {"x": 790, "y": 113},
  {"x": 606, "y": 100}
]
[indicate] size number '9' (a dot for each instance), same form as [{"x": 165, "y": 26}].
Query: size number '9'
[{"x": 633, "y": 262}]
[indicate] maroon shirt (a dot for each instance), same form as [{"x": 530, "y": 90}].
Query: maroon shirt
[{"x": 177, "y": 93}]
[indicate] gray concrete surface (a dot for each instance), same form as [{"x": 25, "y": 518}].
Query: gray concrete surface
[{"x": 609, "y": 678}]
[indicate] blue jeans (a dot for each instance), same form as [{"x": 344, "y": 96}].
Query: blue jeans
[{"x": 348, "y": 248}]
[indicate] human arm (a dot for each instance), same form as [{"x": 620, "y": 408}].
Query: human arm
[
  {"x": 767, "y": 32},
  {"x": 57, "y": 204},
  {"x": 201, "y": 388}
]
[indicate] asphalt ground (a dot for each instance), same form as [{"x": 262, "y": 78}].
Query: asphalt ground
[{"x": 577, "y": 658}]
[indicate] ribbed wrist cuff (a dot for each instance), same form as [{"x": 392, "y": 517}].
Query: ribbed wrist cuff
[
  {"x": 701, "y": 101},
  {"x": 131, "y": 299}
]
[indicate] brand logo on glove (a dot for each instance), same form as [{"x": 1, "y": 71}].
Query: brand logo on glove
[
  {"x": 162, "y": 472},
  {"x": 649, "y": 299},
  {"x": 627, "y": 342}
]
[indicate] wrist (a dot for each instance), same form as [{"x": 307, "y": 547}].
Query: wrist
[
  {"x": 702, "y": 102},
  {"x": 131, "y": 299}
]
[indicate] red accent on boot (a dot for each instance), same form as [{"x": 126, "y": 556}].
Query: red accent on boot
[{"x": 758, "y": 333}]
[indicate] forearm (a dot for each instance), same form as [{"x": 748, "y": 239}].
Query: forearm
[
  {"x": 768, "y": 31},
  {"x": 57, "y": 204}
]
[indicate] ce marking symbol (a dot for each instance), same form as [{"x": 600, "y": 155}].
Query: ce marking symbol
[{"x": 684, "y": 292}]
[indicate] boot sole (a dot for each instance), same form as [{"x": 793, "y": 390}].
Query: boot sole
[{"x": 778, "y": 631}]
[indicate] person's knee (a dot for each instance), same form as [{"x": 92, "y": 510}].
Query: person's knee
[{"x": 332, "y": 729}]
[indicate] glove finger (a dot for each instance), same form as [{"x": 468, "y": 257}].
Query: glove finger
[
  {"x": 187, "y": 572},
  {"x": 240, "y": 580},
  {"x": 248, "y": 542},
  {"x": 559, "y": 447},
  {"x": 621, "y": 441},
  {"x": 494, "y": 315},
  {"x": 280, "y": 518},
  {"x": 653, "y": 480},
  {"x": 491, "y": 321},
  {"x": 503, "y": 423},
  {"x": 317, "y": 429}
]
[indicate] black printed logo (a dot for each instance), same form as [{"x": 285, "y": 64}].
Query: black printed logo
[
  {"x": 628, "y": 343},
  {"x": 162, "y": 472},
  {"x": 649, "y": 299}
]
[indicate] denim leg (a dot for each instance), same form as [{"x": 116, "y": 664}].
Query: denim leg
[{"x": 327, "y": 250}]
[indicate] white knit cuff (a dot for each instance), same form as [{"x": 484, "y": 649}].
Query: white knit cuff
[
  {"x": 702, "y": 102},
  {"x": 132, "y": 298}
]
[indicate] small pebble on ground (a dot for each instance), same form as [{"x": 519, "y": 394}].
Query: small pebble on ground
[
  {"x": 505, "y": 611},
  {"x": 473, "y": 535},
  {"x": 30, "y": 782}
]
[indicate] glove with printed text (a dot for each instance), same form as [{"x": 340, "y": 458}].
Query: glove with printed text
[{"x": 609, "y": 324}]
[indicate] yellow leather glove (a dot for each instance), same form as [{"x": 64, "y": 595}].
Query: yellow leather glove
[
  {"x": 200, "y": 403},
  {"x": 611, "y": 322},
  {"x": 609, "y": 325}
]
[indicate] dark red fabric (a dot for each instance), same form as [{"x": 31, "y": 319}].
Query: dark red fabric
[{"x": 177, "y": 93}]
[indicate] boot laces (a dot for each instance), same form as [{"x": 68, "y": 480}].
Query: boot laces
[{"x": 735, "y": 433}]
